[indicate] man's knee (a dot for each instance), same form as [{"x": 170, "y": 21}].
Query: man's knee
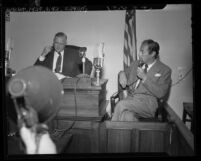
[
  {"x": 128, "y": 116},
  {"x": 121, "y": 105}
]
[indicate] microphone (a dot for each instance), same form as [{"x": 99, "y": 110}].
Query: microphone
[
  {"x": 82, "y": 51},
  {"x": 140, "y": 64}
]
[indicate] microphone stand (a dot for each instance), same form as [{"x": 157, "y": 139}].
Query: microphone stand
[
  {"x": 98, "y": 65},
  {"x": 83, "y": 63},
  {"x": 84, "y": 79},
  {"x": 83, "y": 55}
]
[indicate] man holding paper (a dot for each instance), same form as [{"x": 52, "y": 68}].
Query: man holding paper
[{"x": 64, "y": 60}]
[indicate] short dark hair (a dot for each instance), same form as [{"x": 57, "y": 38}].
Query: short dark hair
[
  {"x": 152, "y": 46},
  {"x": 60, "y": 34}
]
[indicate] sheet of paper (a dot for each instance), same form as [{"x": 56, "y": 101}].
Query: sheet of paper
[{"x": 60, "y": 76}]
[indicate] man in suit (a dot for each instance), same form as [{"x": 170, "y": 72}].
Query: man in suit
[
  {"x": 70, "y": 61},
  {"x": 145, "y": 85}
]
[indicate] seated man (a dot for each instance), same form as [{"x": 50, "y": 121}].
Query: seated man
[
  {"x": 145, "y": 84},
  {"x": 69, "y": 62}
]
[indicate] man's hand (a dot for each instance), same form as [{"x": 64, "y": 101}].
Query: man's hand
[
  {"x": 46, "y": 50},
  {"x": 141, "y": 74},
  {"x": 122, "y": 79},
  {"x": 45, "y": 144}
]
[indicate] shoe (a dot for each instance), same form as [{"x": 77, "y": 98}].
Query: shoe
[{"x": 106, "y": 117}]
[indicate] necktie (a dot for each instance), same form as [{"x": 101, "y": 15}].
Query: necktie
[
  {"x": 145, "y": 68},
  {"x": 58, "y": 63}
]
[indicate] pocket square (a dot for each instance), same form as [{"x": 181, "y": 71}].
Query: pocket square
[{"x": 157, "y": 75}]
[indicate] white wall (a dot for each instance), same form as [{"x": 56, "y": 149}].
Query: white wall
[
  {"x": 171, "y": 27},
  {"x": 31, "y": 31}
]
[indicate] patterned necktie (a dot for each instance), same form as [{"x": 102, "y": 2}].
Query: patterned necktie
[
  {"x": 58, "y": 63},
  {"x": 145, "y": 68}
]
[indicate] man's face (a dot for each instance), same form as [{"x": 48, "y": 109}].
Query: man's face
[
  {"x": 59, "y": 43},
  {"x": 145, "y": 56}
]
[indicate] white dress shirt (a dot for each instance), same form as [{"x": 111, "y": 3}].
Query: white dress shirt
[{"x": 150, "y": 65}]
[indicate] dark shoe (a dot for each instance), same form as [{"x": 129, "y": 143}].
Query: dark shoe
[{"x": 106, "y": 117}]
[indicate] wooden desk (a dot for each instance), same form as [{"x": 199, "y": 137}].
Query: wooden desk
[
  {"x": 86, "y": 127},
  {"x": 88, "y": 101}
]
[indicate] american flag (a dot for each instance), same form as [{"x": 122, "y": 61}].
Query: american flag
[{"x": 130, "y": 49}]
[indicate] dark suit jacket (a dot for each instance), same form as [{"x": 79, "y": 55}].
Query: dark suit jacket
[{"x": 72, "y": 62}]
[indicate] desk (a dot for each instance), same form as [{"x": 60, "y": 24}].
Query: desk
[
  {"x": 90, "y": 100},
  {"x": 86, "y": 128},
  {"x": 188, "y": 111}
]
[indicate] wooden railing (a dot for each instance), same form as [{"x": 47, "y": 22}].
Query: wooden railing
[
  {"x": 171, "y": 138},
  {"x": 182, "y": 139}
]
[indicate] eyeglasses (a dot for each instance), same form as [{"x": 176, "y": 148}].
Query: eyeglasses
[{"x": 59, "y": 43}]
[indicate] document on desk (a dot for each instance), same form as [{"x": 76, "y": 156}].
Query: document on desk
[{"x": 61, "y": 76}]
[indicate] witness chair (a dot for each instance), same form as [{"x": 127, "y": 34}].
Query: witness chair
[{"x": 160, "y": 114}]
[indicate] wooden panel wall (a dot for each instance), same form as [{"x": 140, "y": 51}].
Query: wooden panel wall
[
  {"x": 136, "y": 137},
  {"x": 87, "y": 136},
  {"x": 172, "y": 137}
]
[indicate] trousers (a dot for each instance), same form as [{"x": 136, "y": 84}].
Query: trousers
[{"x": 133, "y": 107}]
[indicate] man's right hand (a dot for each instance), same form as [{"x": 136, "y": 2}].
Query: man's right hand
[
  {"x": 122, "y": 79},
  {"x": 46, "y": 50}
]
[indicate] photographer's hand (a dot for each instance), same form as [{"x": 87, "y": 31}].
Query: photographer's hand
[
  {"x": 28, "y": 136},
  {"x": 122, "y": 79}
]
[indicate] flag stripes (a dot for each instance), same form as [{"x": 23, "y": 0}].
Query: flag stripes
[{"x": 130, "y": 51}]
